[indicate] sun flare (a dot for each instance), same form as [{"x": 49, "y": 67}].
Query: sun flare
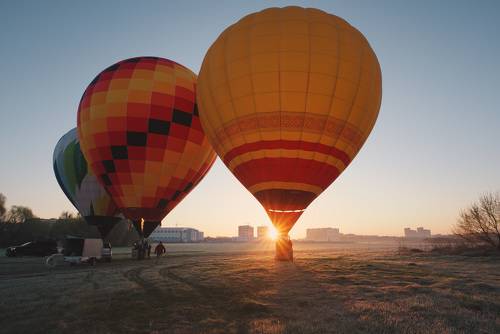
[{"x": 272, "y": 233}]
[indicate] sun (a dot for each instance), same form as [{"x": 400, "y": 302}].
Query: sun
[{"x": 272, "y": 233}]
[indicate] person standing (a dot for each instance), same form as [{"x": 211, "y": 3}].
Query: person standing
[
  {"x": 145, "y": 247},
  {"x": 141, "y": 250},
  {"x": 159, "y": 250}
]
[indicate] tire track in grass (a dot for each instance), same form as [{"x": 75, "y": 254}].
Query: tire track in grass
[
  {"x": 205, "y": 291},
  {"x": 209, "y": 302},
  {"x": 89, "y": 278},
  {"x": 134, "y": 276},
  {"x": 160, "y": 295},
  {"x": 234, "y": 306}
]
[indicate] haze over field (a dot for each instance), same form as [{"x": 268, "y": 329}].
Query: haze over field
[{"x": 433, "y": 150}]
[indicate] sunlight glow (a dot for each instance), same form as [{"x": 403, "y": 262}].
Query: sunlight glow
[{"x": 272, "y": 233}]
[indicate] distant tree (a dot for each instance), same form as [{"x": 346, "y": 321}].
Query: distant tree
[
  {"x": 3, "y": 210},
  {"x": 480, "y": 223},
  {"x": 19, "y": 214},
  {"x": 65, "y": 215}
]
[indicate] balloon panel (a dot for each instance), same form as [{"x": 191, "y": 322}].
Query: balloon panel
[
  {"x": 79, "y": 185},
  {"x": 100, "y": 205},
  {"x": 61, "y": 169},
  {"x": 142, "y": 136},
  {"x": 287, "y": 98}
]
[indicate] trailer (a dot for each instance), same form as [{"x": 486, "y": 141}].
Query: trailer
[
  {"x": 77, "y": 250},
  {"x": 80, "y": 250}
]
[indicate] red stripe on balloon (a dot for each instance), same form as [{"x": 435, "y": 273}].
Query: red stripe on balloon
[
  {"x": 287, "y": 145},
  {"x": 286, "y": 170}
]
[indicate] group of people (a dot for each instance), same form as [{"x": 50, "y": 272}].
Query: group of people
[{"x": 143, "y": 249}]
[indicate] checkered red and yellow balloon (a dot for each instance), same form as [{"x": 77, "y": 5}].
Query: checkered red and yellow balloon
[{"x": 140, "y": 132}]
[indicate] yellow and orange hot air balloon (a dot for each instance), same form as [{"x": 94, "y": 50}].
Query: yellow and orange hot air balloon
[
  {"x": 141, "y": 135},
  {"x": 287, "y": 97}
]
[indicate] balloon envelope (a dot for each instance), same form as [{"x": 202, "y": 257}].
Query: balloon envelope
[
  {"x": 140, "y": 131},
  {"x": 80, "y": 186},
  {"x": 287, "y": 97}
]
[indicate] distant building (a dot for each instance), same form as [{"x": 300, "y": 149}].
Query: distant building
[
  {"x": 322, "y": 234},
  {"x": 419, "y": 233},
  {"x": 262, "y": 232},
  {"x": 220, "y": 239},
  {"x": 176, "y": 234},
  {"x": 245, "y": 233}
]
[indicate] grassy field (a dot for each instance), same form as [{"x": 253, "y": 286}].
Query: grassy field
[{"x": 238, "y": 288}]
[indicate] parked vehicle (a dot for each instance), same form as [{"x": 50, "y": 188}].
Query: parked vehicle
[{"x": 33, "y": 248}]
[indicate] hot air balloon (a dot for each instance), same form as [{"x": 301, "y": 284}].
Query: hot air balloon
[
  {"x": 141, "y": 134},
  {"x": 287, "y": 97},
  {"x": 81, "y": 187}
]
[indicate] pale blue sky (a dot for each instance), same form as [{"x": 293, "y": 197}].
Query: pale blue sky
[{"x": 435, "y": 147}]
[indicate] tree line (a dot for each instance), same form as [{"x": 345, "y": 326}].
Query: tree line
[
  {"x": 479, "y": 224},
  {"x": 16, "y": 214},
  {"x": 19, "y": 225}
]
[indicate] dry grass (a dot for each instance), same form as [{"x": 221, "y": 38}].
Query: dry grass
[{"x": 324, "y": 291}]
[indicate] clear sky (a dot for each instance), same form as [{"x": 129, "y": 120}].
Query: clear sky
[{"x": 434, "y": 149}]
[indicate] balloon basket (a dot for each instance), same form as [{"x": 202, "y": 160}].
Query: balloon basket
[{"x": 284, "y": 249}]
